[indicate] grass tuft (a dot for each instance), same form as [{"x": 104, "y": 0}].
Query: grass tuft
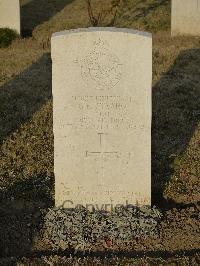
[{"x": 7, "y": 36}]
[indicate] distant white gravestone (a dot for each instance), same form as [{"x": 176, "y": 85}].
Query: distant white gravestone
[
  {"x": 10, "y": 14},
  {"x": 186, "y": 17},
  {"x": 102, "y": 116}
]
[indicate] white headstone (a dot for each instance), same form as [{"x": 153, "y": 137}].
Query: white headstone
[
  {"x": 10, "y": 14},
  {"x": 185, "y": 17},
  {"x": 102, "y": 116}
]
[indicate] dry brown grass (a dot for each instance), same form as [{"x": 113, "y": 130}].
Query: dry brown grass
[
  {"x": 147, "y": 15},
  {"x": 176, "y": 101}
]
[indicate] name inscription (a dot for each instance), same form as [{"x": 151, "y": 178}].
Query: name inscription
[{"x": 102, "y": 112}]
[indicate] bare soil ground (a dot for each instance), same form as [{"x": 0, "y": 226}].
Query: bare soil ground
[{"x": 26, "y": 138}]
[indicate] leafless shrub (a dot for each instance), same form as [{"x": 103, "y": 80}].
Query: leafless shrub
[{"x": 98, "y": 19}]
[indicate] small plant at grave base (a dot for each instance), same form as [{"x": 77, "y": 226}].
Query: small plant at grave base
[
  {"x": 99, "y": 19},
  {"x": 108, "y": 242},
  {"x": 7, "y": 36}
]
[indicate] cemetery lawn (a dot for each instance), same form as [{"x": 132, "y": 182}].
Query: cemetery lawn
[{"x": 26, "y": 127}]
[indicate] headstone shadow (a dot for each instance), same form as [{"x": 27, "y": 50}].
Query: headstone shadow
[
  {"x": 21, "y": 97},
  {"x": 176, "y": 113},
  {"x": 21, "y": 215},
  {"x": 20, "y": 203},
  {"x": 36, "y": 12}
]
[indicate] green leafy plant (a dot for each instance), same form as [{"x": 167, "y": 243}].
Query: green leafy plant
[{"x": 7, "y": 36}]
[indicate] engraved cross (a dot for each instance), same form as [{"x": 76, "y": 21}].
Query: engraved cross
[
  {"x": 102, "y": 155},
  {"x": 101, "y": 152}
]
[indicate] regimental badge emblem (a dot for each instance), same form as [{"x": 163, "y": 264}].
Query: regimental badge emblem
[{"x": 101, "y": 68}]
